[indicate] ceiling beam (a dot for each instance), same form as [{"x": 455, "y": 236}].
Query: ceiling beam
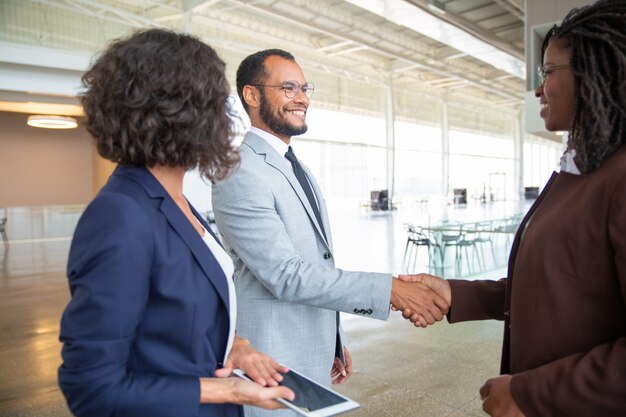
[
  {"x": 348, "y": 50},
  {"x": 132, "y": 18},
  {"x": 196, "y": 6},
  {"x": 335, "y": 46},
  {"x": 311, "y": 55},
  {"x": 388, "y": 54},
  {"x": 511, "y": 9},
  {"x": 471, "y": 28}
]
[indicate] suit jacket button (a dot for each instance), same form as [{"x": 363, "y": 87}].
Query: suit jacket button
[{"x": 326, "y": 255}]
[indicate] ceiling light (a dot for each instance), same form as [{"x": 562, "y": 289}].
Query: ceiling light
[{"x": 52, "y": 122}]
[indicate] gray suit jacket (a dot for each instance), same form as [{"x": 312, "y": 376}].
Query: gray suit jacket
[{"x": 288, "y": 289}]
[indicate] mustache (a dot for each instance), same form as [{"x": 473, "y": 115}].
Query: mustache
[{"x": 301, "y": 108}]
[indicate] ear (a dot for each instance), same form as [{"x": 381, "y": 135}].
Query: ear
[{"x": 251, "y": 96}]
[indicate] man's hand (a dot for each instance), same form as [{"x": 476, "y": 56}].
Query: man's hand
[
  {"x": 425, "y": 305},
  {"x": 436, "y": 284},
  {"x": 260, "y": 368},
  {"x": 341, "y": 371},
  {"x": 497, "y": 398}
]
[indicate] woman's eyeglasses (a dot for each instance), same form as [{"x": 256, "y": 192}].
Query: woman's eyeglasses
[{"x": 544, "y": 71}]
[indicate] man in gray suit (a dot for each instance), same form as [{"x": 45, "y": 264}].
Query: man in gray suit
[{"x": 274, "y": 222}]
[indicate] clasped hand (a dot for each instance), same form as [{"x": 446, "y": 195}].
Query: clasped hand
[{"x": 423, "y": 299}]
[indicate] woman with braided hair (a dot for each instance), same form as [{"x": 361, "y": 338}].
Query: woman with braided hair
[
  {"x": 563, "y": 301},
  {"x": 588, "y": 51}
]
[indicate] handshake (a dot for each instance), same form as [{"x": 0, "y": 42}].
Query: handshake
[{"x": 422, "y": 298}]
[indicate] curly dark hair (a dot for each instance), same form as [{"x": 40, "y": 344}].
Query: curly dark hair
[
  {"x": 595, "y": 36},
  {"x": 252, "y": 70},
  {"x": 161, "y": 98}
]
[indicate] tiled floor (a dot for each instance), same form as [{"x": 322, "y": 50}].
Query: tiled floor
[{"x": 399, "y": 370}]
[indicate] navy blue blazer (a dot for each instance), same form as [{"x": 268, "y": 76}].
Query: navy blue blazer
[{"x": 149, "y": 309}]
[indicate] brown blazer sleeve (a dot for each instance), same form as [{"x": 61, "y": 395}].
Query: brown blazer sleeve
[
  {"x": 591, "y": 383},
  {"x": 585, "y": 384},
  {"x": 477, "y": 300}
]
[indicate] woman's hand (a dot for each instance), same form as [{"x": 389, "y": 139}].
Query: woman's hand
[
  {"x": 239, "y": 391},
  {"x": 497, "y": 398},
  {"x": 260, "y": 368}
]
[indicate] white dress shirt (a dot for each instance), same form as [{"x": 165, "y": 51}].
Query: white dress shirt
[{"x": 282, "y": 148}]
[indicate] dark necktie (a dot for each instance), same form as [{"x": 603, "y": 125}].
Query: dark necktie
[{"x": 304, "y": 183}]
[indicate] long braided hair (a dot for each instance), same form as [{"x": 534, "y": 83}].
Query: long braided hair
[{"x": 596, "y": 38}]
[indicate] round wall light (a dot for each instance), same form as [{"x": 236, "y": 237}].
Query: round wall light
[{"x": 52, "y": 122}]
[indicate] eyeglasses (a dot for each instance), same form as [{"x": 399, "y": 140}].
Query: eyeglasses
[
  {"x": 291, "y": 88},
  {"x": 546, "y": 70}
]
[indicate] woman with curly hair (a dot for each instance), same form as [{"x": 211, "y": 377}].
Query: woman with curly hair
[
  {"x": 564, "y": 299},
  {"x": 149, "y": 329}
]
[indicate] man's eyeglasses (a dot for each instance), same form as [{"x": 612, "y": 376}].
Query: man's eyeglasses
[
  {"x": 291, "y": 88},
  {"x": 546, "y": 70}
]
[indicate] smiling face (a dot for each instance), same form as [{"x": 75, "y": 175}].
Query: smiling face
[
  {"x": 556, "y": 95},
  {"x": 279, "y": 115}
]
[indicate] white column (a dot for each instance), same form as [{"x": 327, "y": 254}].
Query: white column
[
  {"x": 187, "y": 17},
  {"x": 518, "y": 155},
  {"x": 391, "y": 139},
  {"x": 445, "y": 149}
]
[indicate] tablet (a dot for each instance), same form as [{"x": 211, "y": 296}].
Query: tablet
[{"x": 312, "y": 399}]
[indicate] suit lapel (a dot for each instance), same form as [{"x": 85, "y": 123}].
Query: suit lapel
[
  {"x": 506, "y": 352},
  {"x": 261, "y": 147},
  {"x": 526, "y": 219},
  {"x": 205, "y": 225},
  {"x": 177, "y": 220},
  {"x": 198, "y": 248}
]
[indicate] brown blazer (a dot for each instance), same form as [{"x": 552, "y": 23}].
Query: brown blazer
[{"x": 564, "y": 299}]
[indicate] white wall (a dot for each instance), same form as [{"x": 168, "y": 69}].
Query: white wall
[{"x": 43, "y": 166}]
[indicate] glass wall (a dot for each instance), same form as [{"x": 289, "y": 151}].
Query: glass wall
[
  {"x": 483, "y": 165},
  {"x": 541, "y": 158},
  {"x": 418, "y": 161},
  {"x": 347, "y": 154}
]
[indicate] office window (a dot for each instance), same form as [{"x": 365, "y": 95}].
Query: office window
[
  {"x": 541, "y": 158},
  {"x": 484, "y": 165}
]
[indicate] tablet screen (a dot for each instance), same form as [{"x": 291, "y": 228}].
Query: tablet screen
[
  {"x": 309, "y": 394},
  {"x": 311, "y": 397}
]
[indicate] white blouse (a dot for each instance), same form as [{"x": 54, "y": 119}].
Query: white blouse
[
  {"x": 568, "y": 164},
  {"x": 227, "y": 266}
]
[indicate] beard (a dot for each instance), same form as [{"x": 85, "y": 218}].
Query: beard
[{"x": 276, "y": 122}]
